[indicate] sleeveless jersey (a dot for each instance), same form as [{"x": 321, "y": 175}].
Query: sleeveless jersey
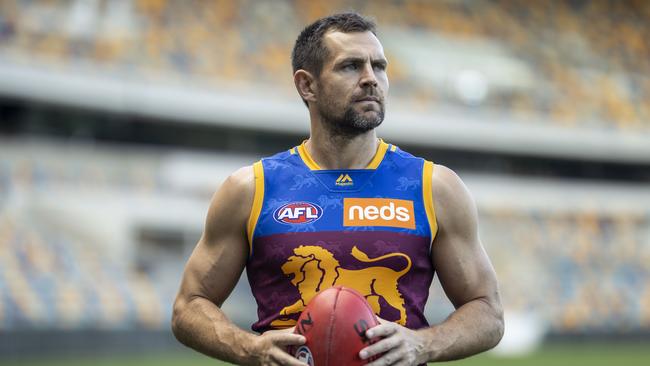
[{"x": 369, "y": 229}]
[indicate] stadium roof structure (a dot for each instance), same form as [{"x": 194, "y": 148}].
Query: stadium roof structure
[{"x": 263, "y": 109}]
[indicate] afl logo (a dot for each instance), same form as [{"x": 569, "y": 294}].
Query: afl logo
[
  {"x": 303, "y": 354},
  {"x": 298, "y": 213}
]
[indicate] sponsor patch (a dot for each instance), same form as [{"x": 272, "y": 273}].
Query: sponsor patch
[
  {"x": 378, "y": 212},
  {"x": 298, "y": 213}
]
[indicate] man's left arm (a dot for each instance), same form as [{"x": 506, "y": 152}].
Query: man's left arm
[{"x": 467, "y": 278}]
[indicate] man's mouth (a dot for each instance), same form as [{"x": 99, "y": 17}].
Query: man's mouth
[{"x": 369, "y": 99}]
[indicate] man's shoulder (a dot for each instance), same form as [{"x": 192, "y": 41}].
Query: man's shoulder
[
  {"x": 241, "y": 183},
  {"x": 450, "y": 195},
  {"x": 242, "y": 176},
  {"x": 445, "y": 180}
]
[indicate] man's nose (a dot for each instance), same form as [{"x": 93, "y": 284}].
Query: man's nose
[{"x": 368, "y": 77}]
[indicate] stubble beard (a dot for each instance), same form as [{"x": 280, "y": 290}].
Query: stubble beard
[{"x": 351, "y": 123}]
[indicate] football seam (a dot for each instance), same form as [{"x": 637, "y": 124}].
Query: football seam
[{"x": 330, "y": 327}]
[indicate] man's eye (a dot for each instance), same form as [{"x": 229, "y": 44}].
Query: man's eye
[
  {"x": 381, "y": 67},
  {"x": 350, "y": 67}
]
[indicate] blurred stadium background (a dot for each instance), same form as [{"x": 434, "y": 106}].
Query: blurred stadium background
[{"x": 119, "y": 118}]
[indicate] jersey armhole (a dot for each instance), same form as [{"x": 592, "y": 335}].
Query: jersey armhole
[
  {"x": 258, "y": 199},
  {"x": 427, "y": 195}
]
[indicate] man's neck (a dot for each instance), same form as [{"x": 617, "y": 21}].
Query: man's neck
[{"x": 342, "y": 152}]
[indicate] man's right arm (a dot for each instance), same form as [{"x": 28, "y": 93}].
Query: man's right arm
[{"x": 211, "y": 273}]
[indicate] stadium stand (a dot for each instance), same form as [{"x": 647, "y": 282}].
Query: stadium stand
[
  {"x": 580, "y": 63},
  {"x": 52, "y": 282},
  {"x": 52, "y": 279},
  {"x": 587, "y": 268}
]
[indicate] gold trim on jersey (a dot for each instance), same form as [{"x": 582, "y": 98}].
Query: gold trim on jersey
[
  {"x": 258, "y": 199},
  {"x": 374, "y": 163},
  {"x": 379, "y": 156},
  {"x": 427, "y": 196},
  {"x": 306, "y": 158}
]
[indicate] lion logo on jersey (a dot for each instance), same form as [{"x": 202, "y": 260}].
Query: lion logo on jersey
[{"x": 314, "y": 269}]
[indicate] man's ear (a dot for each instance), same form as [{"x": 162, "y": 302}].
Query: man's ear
[{"x": 306, "y": 84}]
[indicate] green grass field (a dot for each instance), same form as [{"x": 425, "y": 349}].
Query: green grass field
[{"x": 573, "y": 355}]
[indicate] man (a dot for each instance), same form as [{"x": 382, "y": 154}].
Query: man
[{"x": 343, "y": 208}]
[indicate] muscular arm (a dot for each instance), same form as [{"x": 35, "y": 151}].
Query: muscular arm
[
  {"x": 211, "y": 272},
  {"x": 465, "y": 273},
  {"x": 467, "y": 278}
]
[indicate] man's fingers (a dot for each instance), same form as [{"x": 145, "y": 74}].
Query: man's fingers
[
  {"x": 394, "y": 357},
  {"x": 388, "y": 359},
  {"x": 381, "y": 330},
  {"x": 287, "y": 339},
  {"x": 380, "y": 347}
]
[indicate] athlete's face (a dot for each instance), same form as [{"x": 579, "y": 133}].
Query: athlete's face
[{"x": 353, "y": 84}]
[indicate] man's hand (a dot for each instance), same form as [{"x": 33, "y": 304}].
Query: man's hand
[
  {"x": 270, "y": 348},
  {"x": 399, "y": 345}
]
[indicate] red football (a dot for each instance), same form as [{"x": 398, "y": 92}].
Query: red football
[{"x": 334, "y": 325}]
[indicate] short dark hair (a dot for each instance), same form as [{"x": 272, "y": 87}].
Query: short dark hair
[{"x": 309, "y": 52}]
